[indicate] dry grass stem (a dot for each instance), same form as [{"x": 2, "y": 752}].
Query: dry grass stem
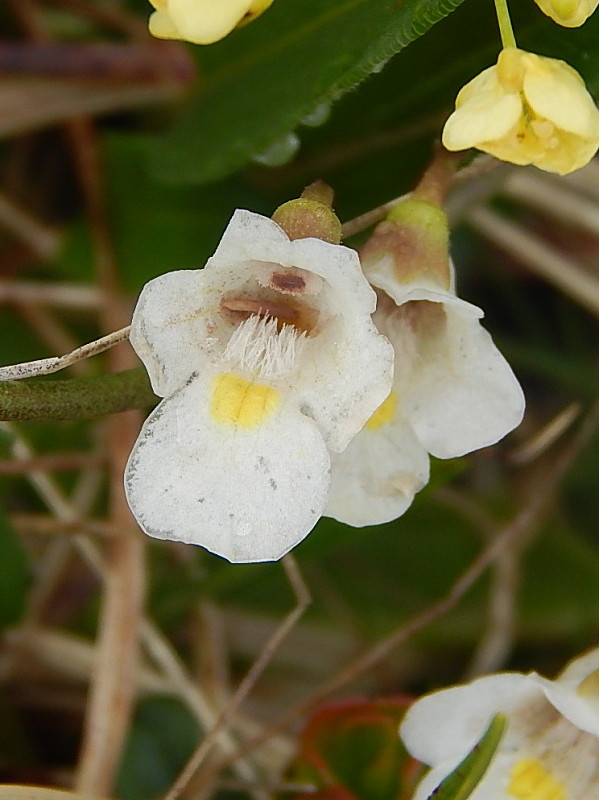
[
  {"x": 542, "y": 440},
  {"x": 60, "y": 295},
  {"x": 52, "y": 332},
  {"x": 585, "y": 179},
  {"x": 113, "y": 686},
  {"x": 537, "y": 255},
  {"x": 55, "y": 462},
  {"x": 38, "y": 793},
  {"x": 370, "y": 218},
  {"x": 46, "y": 366},
  {"x": 40, "y": 239},
  {"x": 41, "y": 524},
  {"x": 302, "y": 598},
  {"x": 157, "y": 648},
  {"x": 210, "y": 652},
  {"x": 497, "y": 641},
  {"x": 562, "y": 203}
]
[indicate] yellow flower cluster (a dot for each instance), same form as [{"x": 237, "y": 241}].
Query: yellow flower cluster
[
  {"x": 529, "y": 109},
  {"x": 202, "y": 21}
]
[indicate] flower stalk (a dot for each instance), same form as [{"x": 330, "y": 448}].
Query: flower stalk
[
  {"x": 75, "y": 398},
  {"x": 505, "y": 24}
]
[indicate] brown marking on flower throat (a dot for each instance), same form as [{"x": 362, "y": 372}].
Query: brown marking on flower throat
[
  {"x": 301, "y": 317},
  {"x": 287, "y": 282}
]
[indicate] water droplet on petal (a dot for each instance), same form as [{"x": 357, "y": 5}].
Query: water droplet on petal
[{"x": 280, "y": 151}]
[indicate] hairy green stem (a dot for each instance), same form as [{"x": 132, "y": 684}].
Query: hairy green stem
[{"x": 76, "y": 398}]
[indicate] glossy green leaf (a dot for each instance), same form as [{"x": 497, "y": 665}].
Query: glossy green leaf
[{"x": 261, "y": 82}]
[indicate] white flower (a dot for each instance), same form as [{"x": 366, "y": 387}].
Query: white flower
[
  {"x": 453, "y": 392},
  {"x": 549, "y": 751},
  {"x": 267, "y": 359}
]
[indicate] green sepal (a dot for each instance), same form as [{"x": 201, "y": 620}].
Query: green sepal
[{"x": 464, "y": 779}]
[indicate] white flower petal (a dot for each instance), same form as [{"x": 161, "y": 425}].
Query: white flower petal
[
  {"x": 245, "y": 493},
  {"x": 166, "y": 327},
  {"x": 347, "y": 373},
  {"x": 375, "y": 479},
  {"x": 463, "y": 395},
  {"x": 407, "y": 293},
  {"x": 381, "y": 272},
  {"x": 250, "y": 237},
  {"x": 443, "y": 726},
  {"x": 581, "y": 667},
  {"x": 581, "y": 710}
]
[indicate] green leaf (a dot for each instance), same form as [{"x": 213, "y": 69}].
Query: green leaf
[
  {"x": 464, "y": 779},
  {"x": 162, "y": 738},
  {"x": 259, "y": 83}
]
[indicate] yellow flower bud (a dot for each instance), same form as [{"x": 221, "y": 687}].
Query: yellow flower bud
[
  {"x": 202, "y": 21},
  {"x": 527, "y": 109},
  {"x": 570, "y": 13}
]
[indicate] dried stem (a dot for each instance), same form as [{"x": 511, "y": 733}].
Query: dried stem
[
  {"x": 61, "y": 295},
  {"x": 40, "y": 239},
  {"x": 541, "y": 258},
  {"x": 51, "y": 463},
  {"x": 302, "y": 597},
  {"x": 46, "y": 366},
  {"x": 76, "y": 398},
  {"x": 113, "y": 685}
]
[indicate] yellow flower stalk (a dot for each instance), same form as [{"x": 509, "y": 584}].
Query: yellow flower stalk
[
  {"x": 569, "y": 13},
  {"x": 527, "y": 109},
  {"x": 202, "y": 21}
]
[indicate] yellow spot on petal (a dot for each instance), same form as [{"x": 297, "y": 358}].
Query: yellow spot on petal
[
  {"x": 384, "y": 413},
  {"x": 531, "y": 781},
  {"x": 236, "y": 401}
]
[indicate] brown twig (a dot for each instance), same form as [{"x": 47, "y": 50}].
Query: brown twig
[
  {"x": 113, "y": 686},
  {"x": 56, "y": 462},
  {"x": 302, "y": 597}
]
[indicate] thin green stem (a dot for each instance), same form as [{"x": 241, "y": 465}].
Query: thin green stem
[
  {"x": 505, "y": 24},
  {"x": 75, "y": 398}
]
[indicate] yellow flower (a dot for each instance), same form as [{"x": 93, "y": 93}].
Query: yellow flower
[
  {"x": 202, "y": 21},
  {"x": 570, "y": 13},
  {"x": 527, "y": 109}
]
